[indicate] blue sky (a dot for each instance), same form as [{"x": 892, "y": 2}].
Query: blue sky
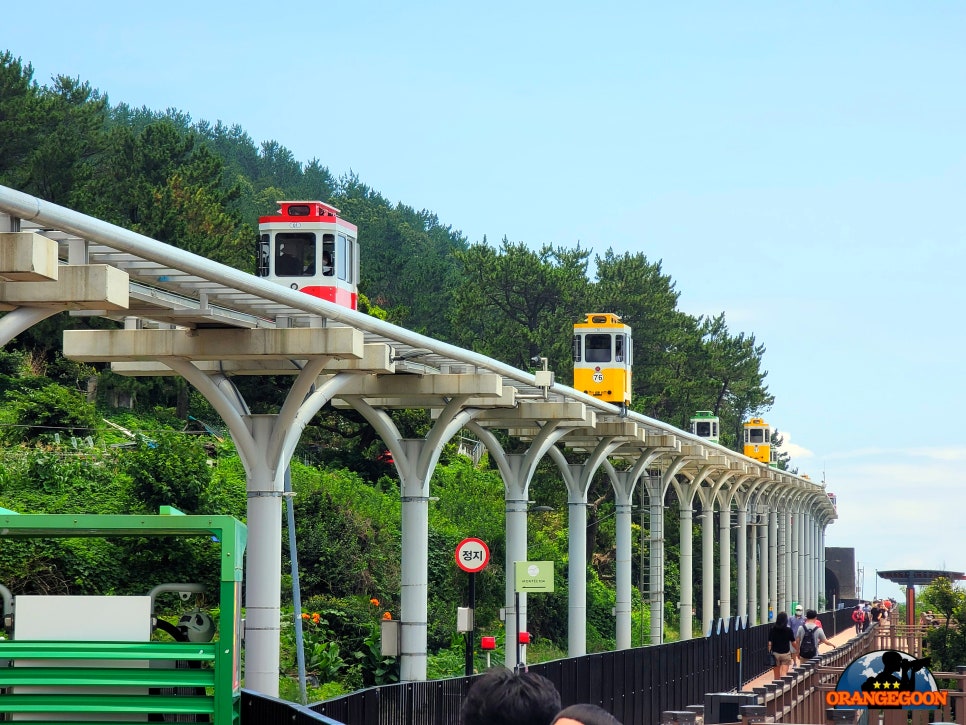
[{"x": 800, "y": 167}]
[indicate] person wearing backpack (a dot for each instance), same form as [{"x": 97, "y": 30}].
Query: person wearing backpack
[
  {"x": 858, "y": 616},
  {"x": 810, "y": 636}
]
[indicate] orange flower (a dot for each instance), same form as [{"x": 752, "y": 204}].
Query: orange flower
[
  {"x": 315, "y": 618},
  {"x": 305, "y": 615},
  {"x": 374, "y": 602},
  {"x": 387, "y": 615}
]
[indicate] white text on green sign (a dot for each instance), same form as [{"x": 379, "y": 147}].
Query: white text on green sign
[{"x": 533, "y": 576}]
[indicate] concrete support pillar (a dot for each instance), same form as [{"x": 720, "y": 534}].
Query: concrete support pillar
[
  {"x": 516, "y": 470},
  {"x": 656, "y": 560},
  {"x": 724, "y": 563},
  {"x": 516, "y": 550},
  {"x": 742, "y": 563},
  {"x": 577, "y": 573},
  {"x": 624, "y": 483},
  {"x": 707, "y": 569},
  {"x": 800, "y": 537},
  {"x": 413, "y": 603},
  {"x": 686, "y": 565},
  {"x": 753, "y": 610},
  {"x": 814, "y": 559},
  {"x": 784, "y": 604},
  {"x": 773, "y": 561},
  {"x": 763, "y": 569},
  {"x": 795, "y": 592},
  {"x": 820, "y": 562},
  {"x": 622, "y": 607},
  {"x": 263, "y": 564},
  {"x": 809, "y": 560},
  {"x": 823, "y": 590}
]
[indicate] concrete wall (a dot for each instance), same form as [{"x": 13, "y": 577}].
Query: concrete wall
[{"x": 839, "y": 573}]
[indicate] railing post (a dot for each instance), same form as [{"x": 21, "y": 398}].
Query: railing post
[
  {"x": 670, "y": 717},
  {"x": 755, "y": 714},
  {"x": 698, "y": 711},
  {"x": 960, "y": 702}
]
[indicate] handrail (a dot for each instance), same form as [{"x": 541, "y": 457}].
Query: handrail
[
  {"x": 136, "y": 681},
  {"x": 37, "y": 649},
  {"x": 107, "y": 676},
  {"x": 43, "y": 702}
]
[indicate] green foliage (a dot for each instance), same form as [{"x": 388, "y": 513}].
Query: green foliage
[
  {"x": 288, "y": 689},
  {"x": 60, "y": 480},
  {"x": 408, "y": 267},
  {"x": 449, "y": 661},
  {"x": 374, "y": 668},
  {"x": 12, "y": 363},
  {"x": 226, "y": 489},
  {"x": 51, "y": 136},
  {"x": 645, "y": 298},
  {"x": 470, "y": 504},
  {"x": 167, "y": 469},
  {"x": 352, "y": 623},
  {"x": 42, "y": 414},
  {"x": 347, "y": 533},
  {"x": 19, "y": 117},
  {"x": 323, "y": 657},
  {"x": 513, "y": 303},
  {"x": 947, "y": 642},
  {"x": 601, "y": 600},
  {"x": 943, "y": 597}
]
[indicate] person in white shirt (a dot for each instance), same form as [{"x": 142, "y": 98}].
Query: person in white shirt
[{"x": 796, "y": 621}]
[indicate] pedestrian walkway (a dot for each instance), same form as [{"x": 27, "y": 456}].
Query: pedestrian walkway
[{"x": 767, "y": 676}]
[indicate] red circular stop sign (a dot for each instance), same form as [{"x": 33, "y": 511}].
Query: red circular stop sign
[{"x": 472, "y": 555}]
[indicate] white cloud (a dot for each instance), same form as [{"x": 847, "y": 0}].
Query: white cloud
[{"x": 793, "y": 449}]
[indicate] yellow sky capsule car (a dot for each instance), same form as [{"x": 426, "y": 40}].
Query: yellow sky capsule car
[
  {"x": 603, "y": 358},
  {"x": 758, "y": 440}
]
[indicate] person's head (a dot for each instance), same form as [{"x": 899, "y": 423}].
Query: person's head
[
  {"x": 798, "y": 610},
  {"x": 781, "y": 620},
  {"x": 811, "y": 614},
  {"x": 585, "y": 714},
  {"x": 503, "y": 697}
]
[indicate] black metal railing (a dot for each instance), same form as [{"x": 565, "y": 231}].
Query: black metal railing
[
  {"x": 636, "y": 685},
  {"x": 260, "y": 709}
]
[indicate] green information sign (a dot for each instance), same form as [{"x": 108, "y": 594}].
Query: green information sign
[{"x": 533, "y": 576}]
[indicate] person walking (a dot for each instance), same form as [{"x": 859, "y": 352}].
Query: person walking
[
  {"x": 875, "y": 614},
  {"x": 780, "y": 640},
  {"x": 810, "y": 636},
  {"x": 794, "y": 622}
]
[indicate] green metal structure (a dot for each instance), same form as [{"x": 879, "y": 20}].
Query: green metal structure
[{"x": 54, "y": 666}]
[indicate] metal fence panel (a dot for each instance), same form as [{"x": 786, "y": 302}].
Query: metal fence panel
[{"x": 637, "y": 685}]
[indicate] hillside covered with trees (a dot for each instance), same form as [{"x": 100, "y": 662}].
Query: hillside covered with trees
[{"x": 79, "y": 439}]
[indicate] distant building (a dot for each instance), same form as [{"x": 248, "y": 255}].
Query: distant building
[{"x": 839, "y": 574}]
